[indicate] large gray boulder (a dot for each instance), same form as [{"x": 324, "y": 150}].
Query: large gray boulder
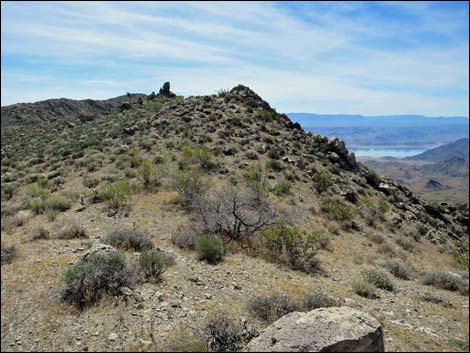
[{"x": 336, "y": 329}]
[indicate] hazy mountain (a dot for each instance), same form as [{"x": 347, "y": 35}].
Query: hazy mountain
[
  {"x": 400, "y": 131},
  {"x": 450, "y": 151}
]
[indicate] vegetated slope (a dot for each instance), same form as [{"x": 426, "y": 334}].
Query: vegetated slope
[
  {"x": 236, "y": 120},
  {"x": 168, "y": 167},
  {"x": 454, "y": 150},
  {"x": 58, "y": 112}
]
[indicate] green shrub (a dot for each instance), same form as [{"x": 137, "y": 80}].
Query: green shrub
[
  {"x": 40, "y": 234},
  {"x": 365, "y": 289},
  {"x": 189, "y": 184},
  {"x": 289, "y": 245},
  {"x": 46, "y": 202},
  {"x": 255, "y": 179},
  {"x": 74, "y": 231},
  {"x": 210, "y": 248},
  {"x": 96, "y": 275},
  {"x": 200, "y": 155},
  {"x": 158, "y": 160},
  {"x": 378, "y": 279},
  {"x": 224, "y": 334},
  {"x": 282, "y": 187},
  {"x": 154, "y": 262},
  {"x": 274, "y": 165},
  {"x": 271, "y": 308},
  {"x": 405, "y": 244},
  {"x": 91, "y": 182},
  {"x": 116, "y": 193},
  {"x": 338, "y": 209},
  {"x": 323, "y": 180},
  {"x": 446, "y": 280},
  {"x": 398, "y": 269},
  {"x": 319, "y": 300},
  {"x": 57, "y": 202},
  {"x": 147, "y": 174},
  {"x": 129, "y": 239},
  {"x": 8, "y": 253}
]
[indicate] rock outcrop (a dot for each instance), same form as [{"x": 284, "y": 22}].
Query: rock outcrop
[
  {"x": 165, "y": 91},
  {"x": 336, "y": 329}
]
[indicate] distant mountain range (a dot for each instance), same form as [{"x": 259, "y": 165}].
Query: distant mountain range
[{"x": 394, "y": 131}]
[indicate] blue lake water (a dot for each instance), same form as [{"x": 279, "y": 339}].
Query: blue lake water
[{"x": 387, "y": 152}]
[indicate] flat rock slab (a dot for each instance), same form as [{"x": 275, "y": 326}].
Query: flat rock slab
[{"x": 336, "y": 329}]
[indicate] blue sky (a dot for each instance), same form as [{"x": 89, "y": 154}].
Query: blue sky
[{"x": 323, "y": 57}]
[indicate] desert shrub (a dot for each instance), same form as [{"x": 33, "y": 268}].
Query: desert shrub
[
  {"x": 224, "y": 334},
  {"x": 209, "y": 248},
  {"x": 98, "y": 274},
  {"x": 234, "y": 212},
  {"x": 46, "y": 202},
  {"x": 273, "y": 154},
  {"x": 91, "y": 182},
  {"x": 398, "y": 269},
  {"x": 154, "y": 262},
  {"x": 446, "y": 280},
  {"x": 319, "y": 300},
  {"x": 185, "y": 236},
  {"x": 375, "y": 237},
  {"x": 255, "y": 179},
  {"x": 57, "y": 202},
  {"x": 274, "y": 165},
  {"x": 282, "y": 187},
  {"x": 323, "y": 180},
  {"x": 158, "y": 160},
  {"x": 422, "y": 230},
  {"x": 40, "y": 233},
  {"x": 338, "y": 209},
  {"x": 386, "y": 248},
  {"x": 252, "y": 155},
  {"x": 378, "y": 279},
  {"x": 74, "y": 231},
  {"x": 129, "y": 239},
  {"x": 147, "y": 174},
  {"x": 365, "y": 289},
  {"x": 8, "y": 253},
  {"x": 199, "y": 155},
  {"x": 189, "y": 184},
  {"x": 405, "y": 244},
  {"x": 289, "y": 245},
  {"x": 115, "y": 194},
  {"x": 181, "y": 339},
  {"x": 271, "y": 308}
]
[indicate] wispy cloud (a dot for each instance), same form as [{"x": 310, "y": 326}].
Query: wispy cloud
[{"x": 326, "y": 57}]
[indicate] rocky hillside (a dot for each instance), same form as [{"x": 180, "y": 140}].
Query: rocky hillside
[
  {"x": 208, "y": 205},
  {"x": 454, "y": 150}
]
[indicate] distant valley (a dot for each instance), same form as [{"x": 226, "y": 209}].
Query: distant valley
[
  {"x": 439, "y": 174},
  {"x": 386, "y": 132}
]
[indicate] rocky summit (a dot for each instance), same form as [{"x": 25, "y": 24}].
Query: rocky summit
[{"x": 215, "y": 223}]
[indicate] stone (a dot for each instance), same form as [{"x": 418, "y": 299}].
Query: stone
[
  {"x": 335, "y": 329},
  {"x": 113, "y": 336},
  {"x": 98, "y": 249}
]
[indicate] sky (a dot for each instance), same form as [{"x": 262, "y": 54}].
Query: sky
[{"x": 371, "y": 58}]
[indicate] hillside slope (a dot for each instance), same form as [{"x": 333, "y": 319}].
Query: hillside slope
[
  {"x": 454, "y": 150},
  {"x": 295, "y": 213}
]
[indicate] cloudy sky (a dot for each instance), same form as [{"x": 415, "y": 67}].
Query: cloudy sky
[{"x": 324, "y": 57}]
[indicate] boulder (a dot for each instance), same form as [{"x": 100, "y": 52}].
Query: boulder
[
  {"x": 335, "y": 329},
  {"x": 98, "y": 250}
]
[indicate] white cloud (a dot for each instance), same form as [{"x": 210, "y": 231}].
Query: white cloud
[{"x": 312, "y": 58}]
